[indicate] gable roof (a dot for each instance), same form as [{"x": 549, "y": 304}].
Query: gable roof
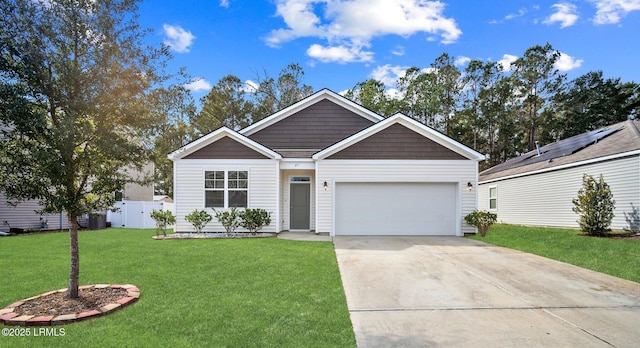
[
  {"x": 618, "y": 140},
  {"x": 216, "y": 135},
  {"x": 311, "y": 129},
  {"x": 323, "y": 94},
  {"x": 409, "y": 123}
]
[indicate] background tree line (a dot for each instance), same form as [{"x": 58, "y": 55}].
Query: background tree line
[
  {"x": 496, "y": 111},
  {"x": 503, "y": 112}
]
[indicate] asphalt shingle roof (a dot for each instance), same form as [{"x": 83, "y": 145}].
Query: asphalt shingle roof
[{"x": 618, "y": 138}]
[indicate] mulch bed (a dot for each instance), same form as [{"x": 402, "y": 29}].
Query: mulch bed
[
  {"x": 54, "y": 308},
  {"x": 59, "y": 304},
  {"x": 635, "y": 236}
]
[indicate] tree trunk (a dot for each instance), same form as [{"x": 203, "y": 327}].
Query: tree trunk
[{"x": 74, "y": 269}]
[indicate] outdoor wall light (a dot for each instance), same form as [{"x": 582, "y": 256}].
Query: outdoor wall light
[
  {"x": 325, "y": 186},
  {"x": 469, "y": 186}
]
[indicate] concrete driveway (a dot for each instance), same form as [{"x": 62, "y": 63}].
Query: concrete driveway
[{"x": 456, "y": 292}]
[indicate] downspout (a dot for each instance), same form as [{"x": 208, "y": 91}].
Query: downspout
[
  {"x": 278, "y": 197},
  {"x": 316, "y": 182}
]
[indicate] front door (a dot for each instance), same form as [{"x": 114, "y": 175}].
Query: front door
[{"x": 300, "y": 208}]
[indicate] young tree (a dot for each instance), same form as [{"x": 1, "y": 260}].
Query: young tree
[
  {"x": 595, "y": 205},
  {"x": 74, "y": 78}
]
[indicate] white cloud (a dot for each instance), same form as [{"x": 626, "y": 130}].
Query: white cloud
[
  {"x": 565, "y": 15},
  {"x": 566, "y": 62},
  {"x": 398, "y": 51},
  {"x": 197, "y": 85},
  {"x": 250, "y": 86},
  {"x": 506, "y": 61},
  {"x": 612, "y": 11},
  {"x": 224, "y": 3},
  {"x": 521, "y": 12},
  {"x": 349, "y": 25},
  {"x": 339, "y": 54},
  {"x": 462, "y": 60},
  {"x": 393, "y": 93},
  {"x": 177, "y": 38},
  {"x": 388, "y": 74}
]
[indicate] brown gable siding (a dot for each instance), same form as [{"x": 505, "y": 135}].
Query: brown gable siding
[
  {"x": 397, "y": 142},
  {"x": 316, "y": 127},
  {"x": 226, "y": 148}
]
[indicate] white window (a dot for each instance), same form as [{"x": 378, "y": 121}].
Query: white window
[
  {"x": 226, "y": 189},
  {"x": 493, "y": 197}
]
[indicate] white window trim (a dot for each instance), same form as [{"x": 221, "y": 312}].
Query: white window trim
[
  {"x": 494, "y": 198},
  {"x": 225, "y": 189}
]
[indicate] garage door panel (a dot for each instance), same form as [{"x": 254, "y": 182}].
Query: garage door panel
[{"x": 395, "y": 208}]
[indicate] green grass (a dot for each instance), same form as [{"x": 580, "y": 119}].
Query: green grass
[
  {"x": 617, "y": 257},
  {"x": 209, "y": 292}
]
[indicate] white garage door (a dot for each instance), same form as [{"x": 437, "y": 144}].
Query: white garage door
[{"x": 395, "y": 208}]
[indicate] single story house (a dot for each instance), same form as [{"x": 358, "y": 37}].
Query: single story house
[
  {"x": 328, "y": 165},
  {"x": 538, "y": 187}
]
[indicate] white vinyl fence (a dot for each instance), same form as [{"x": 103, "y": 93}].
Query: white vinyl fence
[{"x": 136, "y": 214}]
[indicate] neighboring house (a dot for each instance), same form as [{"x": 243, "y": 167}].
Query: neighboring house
[
  {"x": 538, "y": 187},
  {"x": 25, "y": 215},
  {"x": 135, "y": 191},
  {"x": 326, "y": 164}
]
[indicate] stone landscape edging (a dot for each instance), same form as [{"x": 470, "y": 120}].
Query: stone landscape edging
[
  {"x": 9, "y": 317},
  {"x": 213, "y": 235}
]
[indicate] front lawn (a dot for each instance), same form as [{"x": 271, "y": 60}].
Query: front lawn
[
  {"x": 262, "y": 292},
  {"x": 617, "y": 257}
]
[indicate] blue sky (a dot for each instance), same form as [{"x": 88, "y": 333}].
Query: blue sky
[{"x": 342, "y": 42}]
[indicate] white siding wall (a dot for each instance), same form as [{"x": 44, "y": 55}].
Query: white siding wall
[
  {"x": 189, "y": 189},
  {"x": 331, "y": 171},
  {"x": 24, "y": 216},
  {"x": 285, "y": 195},
  {"x": 545, "y": 199}
]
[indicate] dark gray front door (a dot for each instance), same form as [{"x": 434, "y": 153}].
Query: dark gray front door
[{"x": 300, "y": 198}]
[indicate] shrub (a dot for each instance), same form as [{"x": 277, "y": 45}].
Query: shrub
[
  {"x": 254, "y": 219},
  {"x": 595, "y": 205},
  {"x": 230, "y": 219},
  {"x": 482, "y": 220},
  {"x": 199, "y": 219},
  {"x": 163, "y": 218}
]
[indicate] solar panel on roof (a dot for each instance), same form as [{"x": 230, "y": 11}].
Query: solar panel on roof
[{"x": 560, "y": 148}]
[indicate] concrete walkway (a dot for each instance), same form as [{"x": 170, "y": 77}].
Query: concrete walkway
[
  {"x": 456, "y": 292},
  {"x": 305, "y": 236}
]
